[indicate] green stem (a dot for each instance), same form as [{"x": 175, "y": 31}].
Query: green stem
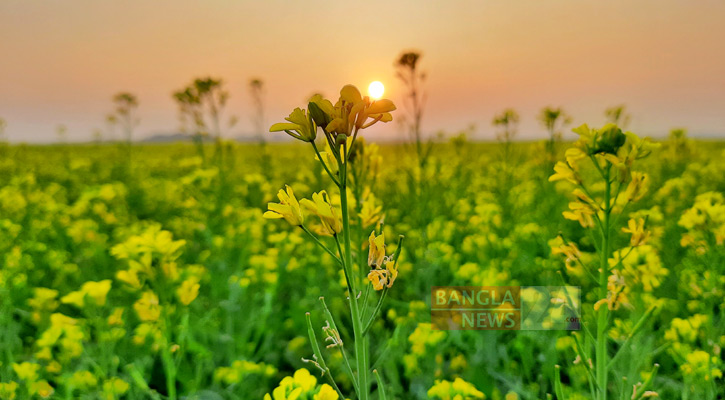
[
  {"x": 601, "y": 349},
  {"x": 360, "y": 348},
  {"x": 321, "y": 244},
  {"x": 375, "y": 311},
  {"x": 318, "y": 355},
  {"x": 381, "y": 386},
  {"x": 328, "y": 314}
]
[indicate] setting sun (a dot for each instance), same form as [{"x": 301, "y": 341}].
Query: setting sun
[{"x": 376, "y": 89}]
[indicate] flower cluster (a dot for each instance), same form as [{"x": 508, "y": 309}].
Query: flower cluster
[
  {"x": 352, "y": 166},
  {"x": 302, "y": 386},
  {"x": 456, "y": 390}
]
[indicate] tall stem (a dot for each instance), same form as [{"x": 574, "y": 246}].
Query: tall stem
[
  {"x": 357, "y": 324},
  {"x": 601, "y": 350}
]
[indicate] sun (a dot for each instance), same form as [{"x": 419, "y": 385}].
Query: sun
[{"x": 376, "y": 89}]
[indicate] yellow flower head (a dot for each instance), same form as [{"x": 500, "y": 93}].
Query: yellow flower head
[
  {"x": 7, "y": 390},
  {"x": 83, "y": 380},
  {"x": 564, "y": 171},
  {"x": 294, "y": 387},
  {"x": 116, "y": 318},
  {"x": 76, "y": 298},
  {"x": 147, "y": 307},
  {"x": 381, "y": 278},
  {"x": 26, "y": 371},
  {"x": 41, "y": 388},
  {"x": 352, "y": 111},
  {"x": 300, "y": 126},
  {"x": 376, "y": 252},
  {"x": 378, "y": 278},
  {"x": 329, "y": 216},
  {"x": 114, "y": 388},
  {"x": 188, "y": 291},
  {"x": 569, "y": 250},
  {"x": 637, "y": 187},
  {"x": 458, "y": 389},
  {"x": 287, "y": 208},
  {"x": 636, "y": 229},
  {"x": 97, "y": 290},
  {"x": 326, "y": 393},
  {"x": 581, "y": 212}
]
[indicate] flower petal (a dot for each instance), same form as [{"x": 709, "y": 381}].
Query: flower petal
[
  {"x": 350, "y": 94},
  {"x": 381, "y": 106},
  {"x": 283, "y": 126}
]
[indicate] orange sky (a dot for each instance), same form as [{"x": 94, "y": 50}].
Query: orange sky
[{"x": 61, "y": 61}]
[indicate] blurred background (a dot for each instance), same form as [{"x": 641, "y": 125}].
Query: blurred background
[{"x": 62, "y": 61}]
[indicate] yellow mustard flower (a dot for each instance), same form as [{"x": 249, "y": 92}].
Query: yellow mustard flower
[
  {"x": 26, "y": 371},
  {"x": 636, "y": 229},
  {"x": 116, "y": 317},
  {"x": 114, "y": 388},
  {"x": 563, "y": 171},
  {"x": 511, "y": 396},
  {"x": 371, "y": 212},
  {"x": 376, "y": 251},
  {"x": 616, "y": 296},
  {"x": 637, "y": 187},
  {"x": 300, "y": 126},
  {"x": 147, "y": 307},
  {"x": 640, "y": 264},
  {"x": 352, "y": 112},
  {"x": 381, "y": 278},
  {"x": 582, "y": 212},
  {"x": 83, "y": 380},
  {"x": 573, "y": 155},
  {"x": 568, "y": 249},
  {"x": 97, "y": 290},
  {"x": 64, "y": 335},
  {"x": 187, "y": 291},
  {"x": 377, "y": 278},
  {"x": 293, "y": 387},
  {"x": 129, "y": 277},
  {"x": 329, "y": 216},
  {"x": 423, "y": 336},
  {"x": 94, "y": 290},
  {"x": 53, "y": 367},
  {"x": 701, "y": 365},
  {"x": 456, "y": 390},
  {"x": 41, "y": 388},
  {"x": 43, "y": 299},
  {"x": 75, "y": 298},
  {"x": 7, "y": 390},
  {"x": 287, "y": 208},
  {"x": 326, "y": 393}
]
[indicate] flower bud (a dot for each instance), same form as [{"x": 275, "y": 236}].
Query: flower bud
[
  {"x": 320, "y": 117},
  {"x": 609, "y": 139}
]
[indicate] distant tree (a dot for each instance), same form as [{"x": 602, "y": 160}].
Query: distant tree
[
  {"x": 679, "y": 146},
  {"x": 97, "y": 136},
  {"x": 618, "y": 115},
  {"x": 256, "y": 91},
  {"x": 201, "y": 106},
  {"x": 554, "y": 121},
  {"x": 3, "y": 126},
  {"x": 124, "y": 115},
  {"x": 61, "y": 131},
  {"x": 409, "y": 73},
  {"x": 507, "y": 123}
]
